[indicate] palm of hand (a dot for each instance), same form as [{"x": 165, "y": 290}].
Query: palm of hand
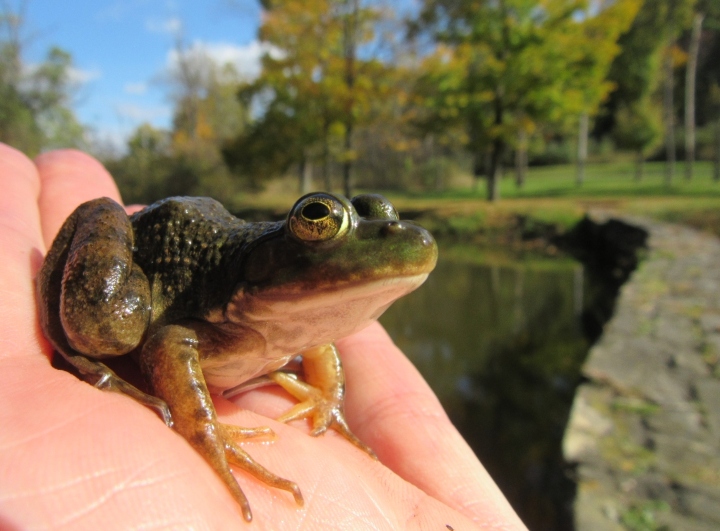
[{"x": 73, "y": 456}]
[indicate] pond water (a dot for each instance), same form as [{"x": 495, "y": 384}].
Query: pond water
[{"x": 501, "y": 342}]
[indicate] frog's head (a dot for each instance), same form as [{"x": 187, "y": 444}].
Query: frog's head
[{"x": 334, "y": 266}]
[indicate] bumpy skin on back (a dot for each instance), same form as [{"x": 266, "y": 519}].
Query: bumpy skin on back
[
  {"x": 193, "y": 249},
  {"x": 205, "y": 298}
]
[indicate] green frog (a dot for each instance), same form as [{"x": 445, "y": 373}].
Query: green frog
[{"x": 210, "y": 304}]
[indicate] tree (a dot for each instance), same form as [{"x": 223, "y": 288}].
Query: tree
[
  {"x": 638, "y": 126},
  {"x": 714, "y": 108},
  {"x": 142, "y": 173},
  {"x": 690, "y": 77},
  {"x": 315, "y": 85},
  {"x": 594, "y": 49},
  {"x": 677, "y": 15},
  {"x": 499, "y": 66},
  {"x": 207, "y": 114},
  {"x": 35, "y": 102},
  {"x": 708, "y": 12}
]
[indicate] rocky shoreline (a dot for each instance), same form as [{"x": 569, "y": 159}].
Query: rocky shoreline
[{"x": 643, "y": 437}]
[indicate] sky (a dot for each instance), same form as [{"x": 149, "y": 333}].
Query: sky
[{"x": 121, "y": 48}]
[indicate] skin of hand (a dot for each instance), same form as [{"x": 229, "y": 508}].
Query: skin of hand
[{"x": 75, "y": 457}]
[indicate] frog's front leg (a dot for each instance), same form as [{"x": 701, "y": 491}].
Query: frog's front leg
[
  {"x": 321, "y": 395},
  {"x": 170, "y": 361}
]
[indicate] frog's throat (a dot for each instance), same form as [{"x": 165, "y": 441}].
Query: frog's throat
[{"x": 274, "y": 303}]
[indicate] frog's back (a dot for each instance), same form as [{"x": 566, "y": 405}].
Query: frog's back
[{"x": 188, "y": 245}]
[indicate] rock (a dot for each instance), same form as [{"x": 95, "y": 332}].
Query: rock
[
  {"x": 708, "y": 392},
  {"x": 644, "y": 432},
  {"x": 588, "y": 425}
]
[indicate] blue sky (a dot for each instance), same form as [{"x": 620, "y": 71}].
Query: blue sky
[{"x": 121, "y": 48}]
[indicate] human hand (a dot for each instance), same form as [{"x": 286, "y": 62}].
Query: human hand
[{"x": 73, "y": 456}]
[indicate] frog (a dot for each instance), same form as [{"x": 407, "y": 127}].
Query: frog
[{"x": 209, "y": 304}]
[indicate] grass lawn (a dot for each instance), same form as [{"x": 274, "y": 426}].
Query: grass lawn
[
  {"x": 551, "y": 195},
  {"x": 613, "y": 180}
]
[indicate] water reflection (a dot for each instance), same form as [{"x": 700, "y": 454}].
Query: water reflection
[{"x": 501, "y": 343}]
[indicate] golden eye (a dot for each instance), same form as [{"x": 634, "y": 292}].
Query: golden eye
[{"x": 318, "y": 217}]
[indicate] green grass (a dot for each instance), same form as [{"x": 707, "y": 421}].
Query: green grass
[
  {"x": 551, "y": 195},
  {"x": 614, "y": 179}
]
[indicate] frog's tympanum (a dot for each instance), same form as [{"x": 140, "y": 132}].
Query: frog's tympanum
[{"x": 207, "y": 302}]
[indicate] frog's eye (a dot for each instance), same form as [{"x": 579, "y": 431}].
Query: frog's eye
[
  {"x": 318, "y": 217},
  {"x": 374, "y": 206}
]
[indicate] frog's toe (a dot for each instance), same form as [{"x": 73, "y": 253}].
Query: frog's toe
[
  {"x": 240, "y": 458},
  {"x": 325, "y": 410},
  {"x": 102, "y": 377},
  {"x": 238, "y": 433}
]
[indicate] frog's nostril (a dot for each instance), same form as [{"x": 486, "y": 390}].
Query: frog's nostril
[{"x": 392, "y": 227}]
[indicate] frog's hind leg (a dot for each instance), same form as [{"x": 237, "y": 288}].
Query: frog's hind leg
[
  {"x": 321, "y": 395},
  {"x": 170, "y": 361},
  {"x": 95, "y": 242}
]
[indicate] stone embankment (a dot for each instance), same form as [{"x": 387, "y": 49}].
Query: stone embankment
[{"x": 644, "y": 431}]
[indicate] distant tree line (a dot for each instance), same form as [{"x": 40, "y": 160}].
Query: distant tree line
[
  {"x": 35, "y": 100},
  {"x": 354, "y": 93}
]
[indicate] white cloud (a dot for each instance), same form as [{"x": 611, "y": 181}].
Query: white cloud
[
  {"x": 138, "y": 88},
  {"x": 171, "y": 25},
  {"x": 245, "y": 58},
  {"x": 80, "y": 77},
  {"x": 141, "y": 113}
]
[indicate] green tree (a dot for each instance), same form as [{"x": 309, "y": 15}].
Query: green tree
[
  {"x": 206, "y": 115},
  {"x": 592, "y": 50},
  {"x": 646, "y": 65},
  {"x": 142, "y": 172},
  {"x": 714, "y": 108},
  {"x": 35, "y": 101},
  {"x": 706, "y": 12},
  {"x": 638, "y": 126},
  {"x": 500, "y": 67},
  {"x": 315, "y": 86}
]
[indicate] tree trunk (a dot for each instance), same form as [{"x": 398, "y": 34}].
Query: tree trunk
[
  {"x": 495, "y": 171},
  {"x": 690, "y": 77},
  {"x": 479, "y": 169},
  {"x": 639, "y": 166},
  {"x": 435, "y": 164},
  {"x": 521, "y": 159},
  {"x": 669, "y": 114},
  {"x": 326, "y": 159},
  {"x": 350, "y": 44},
  {"x": 582, "y": 152},
  {"x": 497, "y": 150},
  {"x": 305, "y": 176},
  {"x": 347, "y": 163},
  {"x": 716, "y": 169}
]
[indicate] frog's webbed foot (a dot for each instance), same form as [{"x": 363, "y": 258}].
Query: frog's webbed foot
[
  {"x": 170, "y": 361},
  {"x": 101, "y": 376},
  {"x": 321, "y": 396}
]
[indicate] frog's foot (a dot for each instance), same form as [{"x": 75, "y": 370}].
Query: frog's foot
[
  {"x": 240, "y": 458},
  {"x": 102, "y": 377},
  {"x": 325, "y": 408},
  {"x": 171, "y": 363}
]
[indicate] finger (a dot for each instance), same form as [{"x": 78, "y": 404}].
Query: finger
[
  {"x": 69, "y": 178},
  {"x": 20, "y": 241},
  {"x": 392, "y": 409}
]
